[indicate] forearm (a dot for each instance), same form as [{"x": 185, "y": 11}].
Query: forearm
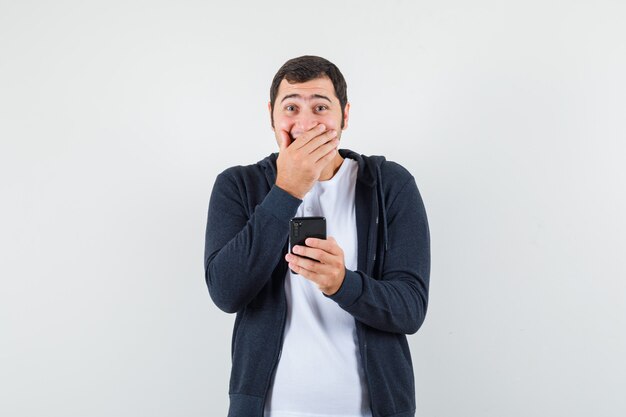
[
  {"x": 241, "y": 253},
  {"x": 397, "y": 300},
  {"x": 397, "y": 305}
]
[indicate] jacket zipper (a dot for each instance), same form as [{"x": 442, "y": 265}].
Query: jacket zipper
[
  {"x": 360, "y": 331},
  {"x": 280, "y": 342},
  {"x": 364, "y": 365}
]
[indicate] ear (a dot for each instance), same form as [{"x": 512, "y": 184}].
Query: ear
[
  {"x": 269, "y": 109},
  {"x": 346, "y": 116}
]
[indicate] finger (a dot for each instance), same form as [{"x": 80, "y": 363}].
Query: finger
[
  {"x": 325, "y": 152},
  {"x": 318, "y": 277},
  {"x": 284, "y": 140},
  {"x": 310, "y": 134},
  {"x": 301, "y": 271},
  {"x": 329, "y": 244},
  {"x": 314, "y": 253},
  {"x": 308, "y": 264},
  {"x": 320, "y": 140}
]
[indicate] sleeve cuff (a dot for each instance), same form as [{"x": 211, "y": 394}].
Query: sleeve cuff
[
  {"x": 281, "y": 204},
  {"x": 350, "y": 289}
]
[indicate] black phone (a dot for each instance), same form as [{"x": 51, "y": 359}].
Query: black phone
[{"x": 300, "y": 228}]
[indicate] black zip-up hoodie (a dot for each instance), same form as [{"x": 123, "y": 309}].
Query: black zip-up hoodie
[{"x": 246, "y": 241}]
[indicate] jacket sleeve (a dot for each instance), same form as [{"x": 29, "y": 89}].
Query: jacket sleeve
[
  {"x": 396, "y": 302},
  {"x": 241, "y": 252}
]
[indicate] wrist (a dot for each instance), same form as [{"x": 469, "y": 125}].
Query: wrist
[{"x": 287, "y": 189}]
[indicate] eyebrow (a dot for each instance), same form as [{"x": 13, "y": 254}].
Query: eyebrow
[{"x": 300, "y": 97}]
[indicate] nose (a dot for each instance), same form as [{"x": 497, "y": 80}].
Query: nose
[{"x": 306, "y": 120}]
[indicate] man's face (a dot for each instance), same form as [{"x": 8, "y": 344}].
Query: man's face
[{"x": 302, "y": 106}]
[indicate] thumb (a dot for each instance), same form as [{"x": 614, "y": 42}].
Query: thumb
[{"x": 284, "y": 140}]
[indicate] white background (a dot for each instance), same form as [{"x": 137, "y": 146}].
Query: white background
[{"x": 116, "y": 116}]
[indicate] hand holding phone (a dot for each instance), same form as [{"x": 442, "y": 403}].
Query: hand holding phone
[{"x": 301, "y": 228}]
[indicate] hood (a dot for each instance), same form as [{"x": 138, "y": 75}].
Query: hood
[
  {"x": 370, "y": 176},
  {"x": 368, "y": 173}
]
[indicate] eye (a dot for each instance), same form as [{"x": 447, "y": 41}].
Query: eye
[
  {"x": 290, "y": 107},
  {"x": 321, "y": 107}
]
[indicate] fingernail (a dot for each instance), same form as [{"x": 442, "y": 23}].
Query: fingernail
[{"x": 321, "y": 127}]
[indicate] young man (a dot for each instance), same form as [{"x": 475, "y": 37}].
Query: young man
[{"x": 327, "y": 338}]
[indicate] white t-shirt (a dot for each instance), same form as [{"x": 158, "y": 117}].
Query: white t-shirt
[{"x": 319, "y": 373}]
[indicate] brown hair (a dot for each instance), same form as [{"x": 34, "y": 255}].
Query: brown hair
[{"x": 306, "y": 68}]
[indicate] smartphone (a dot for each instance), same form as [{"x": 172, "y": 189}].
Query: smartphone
[{"x": 301, "y": 228}]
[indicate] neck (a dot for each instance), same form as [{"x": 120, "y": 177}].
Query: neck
[{"x": 332, "y": 168}]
